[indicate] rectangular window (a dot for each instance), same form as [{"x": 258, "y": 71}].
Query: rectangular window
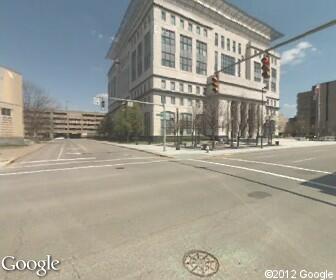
[
  {"x": 273, "y": 80},
  {"x": 172, "y": 100},
  {"x": 172, "y": 86},
  {"x": 189, "y": 102},
  {"x": 163, "y": 15},
  {"x": 216, "y": 39},
  {"x": 257, "y": 72},
  {"x": 186, "y": 53},
  {"x": 181, "y": 101},
  {"x": 190, "y": 88},
  {"x": 133, "y": 65},
  {"x": 222, "y": 42},
  {"x": 234, "y": 46},
  {"x": 148, "y": 51},
  {"x": 181, "y": 87},
  {"x": 216, "y": 61},
  {"x": 163, "y": 99},
  {"x": 239, "y": 48},
  {"x": 201, "y": 58},
  {"x": 5, "y": 111},
  {"x": 198, "y": 30},
  {"x": 182, "y": 23},
  {"x": 186, "y": 122},
  {"x": 228, "y": 44},
  {"x": 172, "y": 19},
  {"x": 198, "y": 90},
  {"x": 227, "y": 65},
  {"x": 163, "y": 84},
  {"x": 140, "y": 59},
  {"x": 168, "y": 48},
  {"x": 205, "y": 32},
  {"x": 190, "y": 27}
]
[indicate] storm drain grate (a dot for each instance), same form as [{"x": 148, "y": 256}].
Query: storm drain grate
[
  {"x": 120, "y": 167},
  {"x": 200, "y": 263}
]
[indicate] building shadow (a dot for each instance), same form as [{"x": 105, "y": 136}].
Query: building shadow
[{"x": 325, "y": 184}]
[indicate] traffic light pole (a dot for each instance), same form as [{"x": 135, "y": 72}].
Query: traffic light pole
[{"x": 151, "y": 103}]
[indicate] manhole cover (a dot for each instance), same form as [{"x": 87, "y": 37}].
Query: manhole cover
[
  {"x": 120, "y": 167},
  {"x": 259, "y": 195},
  {"x": 200, "y": 263}
]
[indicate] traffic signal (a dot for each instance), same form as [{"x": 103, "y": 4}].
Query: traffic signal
[
  {"x": 103, "y": 104},
  {"x": 215, "y": 83},
  {"x": 266, "y": 70}
]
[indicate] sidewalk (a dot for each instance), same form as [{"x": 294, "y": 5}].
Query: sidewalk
[
  {"x": 9, "y": 154},
  {"x": 172, "y": 152}
]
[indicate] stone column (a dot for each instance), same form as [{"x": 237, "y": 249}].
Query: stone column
[{"x": 228, "y": 120}]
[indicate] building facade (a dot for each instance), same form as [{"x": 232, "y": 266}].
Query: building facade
[
  {"x": 11, "y": 106},
  {"x": 166, "y": 50},
  {"x": 316, "y": 110},
  {"x": 71, "y": 124}
]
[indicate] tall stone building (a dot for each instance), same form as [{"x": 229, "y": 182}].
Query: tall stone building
[
  {"x": 316, "y": 110},
  {"x": 166, "y": 50},
  {"x": 11, "y": 107}
]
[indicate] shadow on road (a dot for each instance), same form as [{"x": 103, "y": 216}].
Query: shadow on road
[
  {"x": 325, "y": 184},
  {"x": 263, "y": 184}
]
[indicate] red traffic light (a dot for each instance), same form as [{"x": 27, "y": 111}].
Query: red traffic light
[{"x": 266, "y": 71}]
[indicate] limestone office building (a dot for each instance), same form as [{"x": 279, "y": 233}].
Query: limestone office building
[{"x": 165, "y": 51}]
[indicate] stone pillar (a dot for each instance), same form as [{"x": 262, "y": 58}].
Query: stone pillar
[
  {"x": 228, "y": 120},
  {"x": 244, "y": 120},
  {"x": 253, "y": 120},
  {"x": 237, "y": 118}
]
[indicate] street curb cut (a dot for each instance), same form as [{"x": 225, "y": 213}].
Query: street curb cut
[
  {"x": 21, "y": 156},
  {"x": 134, "y": 149}
]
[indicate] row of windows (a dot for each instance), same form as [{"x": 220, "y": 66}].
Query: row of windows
[
  {"x": 184, "y": 24},
  {"x": 258, "y": 76},
  {"x": 180, "y": 101},
  {"x": 185, "y": 123},
  {"x": 141, "y": 57},
  {"x": 142, "y": 28},
  {"x": 141, "y": 89},
  {"x": 168, "y": 50},
  {"x": 226, "y": 44},
  {"x": 181, "y": 87},
  {"x": 5, "y": 112},
  {"x": 272, "y": 102}
]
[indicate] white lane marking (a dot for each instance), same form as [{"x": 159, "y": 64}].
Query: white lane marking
[
  {"x": 280, "y": 165},
  {"x": 80, "y": 167},
  {"x": 302, "y": 160},
  {"x": 73, "y": 153},
  {"x": 82, "y": 147},
  {"x": 82, "y": 161},
  {"x": 268, "y": 173},
  {"x": 60, "y": 152},
  {"x": 57, "y": 160}
]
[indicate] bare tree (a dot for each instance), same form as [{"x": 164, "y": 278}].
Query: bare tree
[
  {"x": 212, "y": 109},
  {"x": 196, "y": 123},
  {"x": 36, "y": 104}
]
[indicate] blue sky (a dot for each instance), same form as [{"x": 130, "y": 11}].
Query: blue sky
[{"x": 61, "y": 45}]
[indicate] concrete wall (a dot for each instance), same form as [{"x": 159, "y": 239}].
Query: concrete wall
[{"x": 11, "y": 127}]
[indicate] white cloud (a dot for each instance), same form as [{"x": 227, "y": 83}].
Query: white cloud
[
  {"x": 297, "y": 54},
  {"x": 289, "y": 106}
]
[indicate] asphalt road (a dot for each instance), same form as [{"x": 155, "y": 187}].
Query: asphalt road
[{"x": 113, "y": 213}]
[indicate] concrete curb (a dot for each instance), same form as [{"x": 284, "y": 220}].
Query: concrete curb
[
  {"x": 11, "y": 161},
  {"x": 135, "y": 149}
]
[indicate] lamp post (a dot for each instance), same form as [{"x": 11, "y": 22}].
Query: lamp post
[{"x": 263, "y": 90}]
